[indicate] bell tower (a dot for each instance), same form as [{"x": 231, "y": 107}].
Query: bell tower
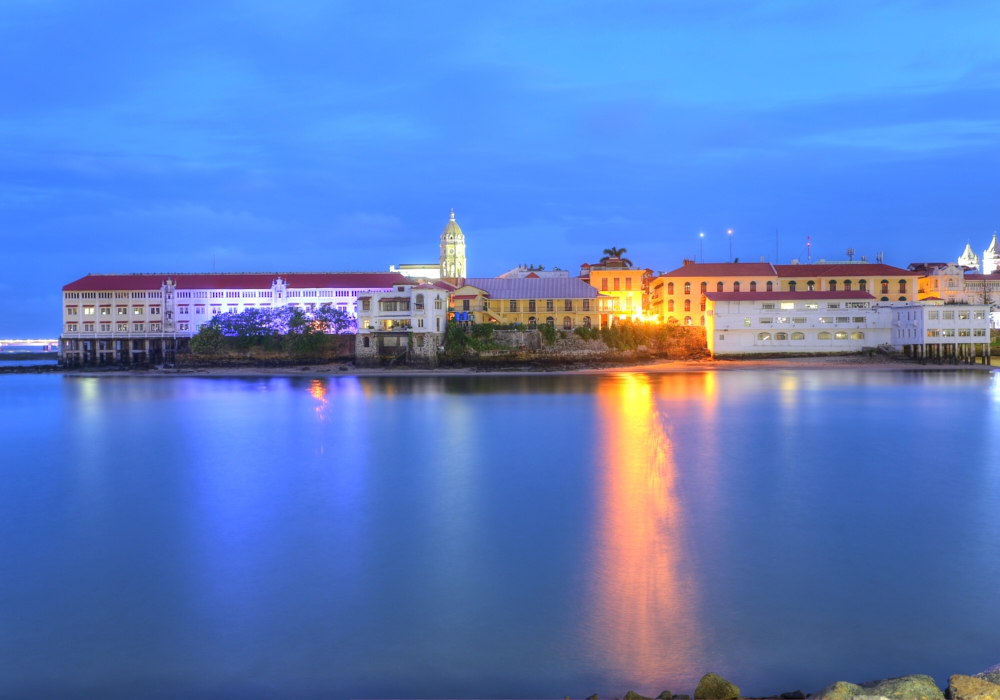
[{"x": 452, "y": 258}]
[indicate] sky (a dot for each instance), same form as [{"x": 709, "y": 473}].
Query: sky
[{"x": 300, "y": 136}]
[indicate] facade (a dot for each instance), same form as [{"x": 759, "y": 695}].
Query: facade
[
  {"x": 565, "y": 303},
  {"x": 111, "y": 319},
  {"x": 885, "y": 282},
  {"x": 626, "y": 287},
  {"x": 742, "y": 323},
  {"x": 452, "y": 260},
  {"x": 532, "y": 271},
  {"x": 406, "y": 323},
  {"x": 417, "y": 271},
  {"x": 935, "y": 330}
]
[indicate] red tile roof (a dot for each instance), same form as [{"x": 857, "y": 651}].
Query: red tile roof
[
  {"x": 250, "y": 280},
  {"x": 723, "y": 270},
  {"x": 842, "y": 270},
  {"x": 785, "y": 296},
  {"x": 994, "y": 277}
]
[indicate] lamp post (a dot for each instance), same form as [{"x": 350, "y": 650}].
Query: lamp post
[
  {"x": 701, "y": 237},
  {"x": 730, "y": 232}
]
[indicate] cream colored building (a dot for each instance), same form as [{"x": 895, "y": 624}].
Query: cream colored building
[{"x": 452, "y": 260}]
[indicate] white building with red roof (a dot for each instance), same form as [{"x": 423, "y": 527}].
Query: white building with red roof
[{"x": 111, "y": 319}]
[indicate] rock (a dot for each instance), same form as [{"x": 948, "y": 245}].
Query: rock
[
  {"x": 794, "y": 695},
  {"x": 632, "y": 695},
  {"x": 915, "y": 687},
  {"x": 972, "y": 688},
  {"x": 841, "y": 690},
  {"x": 593, "y": 697},
  {"x": 713, "y": 687},
  {"x": 665, "y": 695},
  {"x": 992, "y": 674}
]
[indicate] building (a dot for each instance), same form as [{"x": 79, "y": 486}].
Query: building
[
  {"x": 625, "y": 286},
  {"x": 741, "y": 323},
  {"x": 563, "y": 302},
  {"x": 968, "y": 259},
  {"x": 991, "y": 258},
  {"x": 404, "y": 324},
  {"x": 939, "y": 331},
  {"x": 418, "y": 271},
  {"x": 452, "y": 260},
  {"x": 678, "y": 296},
  {"x": 138, "y": 318},
  {"x": 533, "y": 271}
]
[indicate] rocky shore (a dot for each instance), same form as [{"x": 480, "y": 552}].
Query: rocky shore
[{"x": 980, "y": 686}]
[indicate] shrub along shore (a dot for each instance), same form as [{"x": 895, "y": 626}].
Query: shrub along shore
[{"x": 980, "y": 686}]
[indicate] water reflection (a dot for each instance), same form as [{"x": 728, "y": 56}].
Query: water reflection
[{"x": 643, "y": 622}]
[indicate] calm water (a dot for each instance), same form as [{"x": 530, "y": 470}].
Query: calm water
[{"x": 495, "y": 537}]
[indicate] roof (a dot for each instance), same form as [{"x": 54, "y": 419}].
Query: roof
[
  {"x": 241, "y": 280},
  {"x": 983, "y": 278},
  {"x": 786, "y": 296},
  {"x": 733, "y": 269},
  {"x": 842, "y": 270},
  {"x": 534, "y": 287}
]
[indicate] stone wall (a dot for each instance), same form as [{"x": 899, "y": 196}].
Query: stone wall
[{"x": 398, "y": 349}]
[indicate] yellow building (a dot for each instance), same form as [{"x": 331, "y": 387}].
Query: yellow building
[
  {"x": 626, "y": 287},
  {"x": 563, "y": 302},
  {"x": 884, "y": 282}
]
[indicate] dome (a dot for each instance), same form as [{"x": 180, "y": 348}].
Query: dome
[{"x": 451, "y": 230}]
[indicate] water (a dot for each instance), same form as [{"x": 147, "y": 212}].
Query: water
[
  {"x": 27, "y": 363},
  {"x": 495, "y": 536}
]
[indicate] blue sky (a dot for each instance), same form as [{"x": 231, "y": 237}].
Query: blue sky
[{"x": 152, "y": 136}]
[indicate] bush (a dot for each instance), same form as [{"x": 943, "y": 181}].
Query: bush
[
  {"x": 548, "y": 332},
  {"x": 207, "y": 341}
]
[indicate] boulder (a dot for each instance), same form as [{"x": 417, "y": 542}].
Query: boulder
[
  {"x": 632, "y": 695},
  {"x": 971, "y": 688},
  {"x": 713, "y": 687},
  {"x": 841, "y": 690},
  {"x": 665, "y": 695},
  {"x": 915, "y": 687},
  {"x": 992, "y": 674}
]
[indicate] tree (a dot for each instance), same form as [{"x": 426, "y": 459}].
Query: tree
[{"x": 613, "y": 252}]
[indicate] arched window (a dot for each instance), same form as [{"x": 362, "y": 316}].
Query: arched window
[
  {"x": 902, "y": 286},
  {"x": 719, "y": 287},
  {"x": 704, "y": 287},
  {"x": 670, "y": 287},
  {"x": 833, "y": 285},
  {"x": 770, "y": 286},
  {"x": 798, "y": 336},
  {"x": 670, "y": 305},
  {"x": 791, "y": 286},
  {"x": 687, "y": 304},
  {"x": 687, "y": 287},
  {"x": 857, "y": 335},
  {"x": 687, "y": 320},
  {"x": 567, "y": 323},
  {"x": 902, "y": 298},
  {"x": 823, "y": 335},
  {"x": 586, "y": 321},
  {"x": 753, "y": 286},
  {"x": 811, "y": 286},
  {"x": 736, "y": 286},
  {"x": 862, "y": 285},
  {"x": 885, "y": 287},
  {"x": 847, "y": 285},
  {"x": 549, "y": 320},
  {"x": 781, "y": 336},
  {"x": 420, "y": 302},
  {"x": 840, "y": 335},
  {"x": 366, "y": 342},
  {"x": 887, "y": 299},
  {"x": 763, "y": 336},
  {"x": 703, "y": 303}
]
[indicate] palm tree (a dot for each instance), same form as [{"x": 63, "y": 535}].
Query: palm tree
[{"x": 613, "y": 252}]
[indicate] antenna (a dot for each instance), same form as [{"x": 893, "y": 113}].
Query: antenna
[
  {"x": 850, "y": 254},
  {"x": 879, "y": 257}
]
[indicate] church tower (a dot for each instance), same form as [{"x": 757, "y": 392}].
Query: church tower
[
  {"x": 452, "y": 259},
  {"x": 991, "y": 258},
  {"x": 969, "y": 259}
]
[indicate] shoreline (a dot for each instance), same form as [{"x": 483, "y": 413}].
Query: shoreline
[{"x": 853, "y": 362}]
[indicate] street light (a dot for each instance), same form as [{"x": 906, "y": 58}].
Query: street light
[
  {"x": 730, "y": 232},
  {"x": 702, "y": 239}
]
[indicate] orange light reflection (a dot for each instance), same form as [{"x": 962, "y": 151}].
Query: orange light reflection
[{"x": 318, "y": 391}]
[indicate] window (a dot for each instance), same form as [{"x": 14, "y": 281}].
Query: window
[
  {"x": 137, "y": 311},
  {"x": 798, "y": 319},
  {"x": 902, "y": 287},
  {"x": 833, "y": 285},
  {"x": 618, "y": 283},
  {"x": 567, "y": 304},
  {"x": 933, "y": 333},
  {"x": 105, "y": 311},
  {"x": 137, "y": 326},
  {"x": 550, "y": 305},
  {"x": 438, "y": 304},
  {"x": 798, "y": 336},
  {"x": 963, "y": 315},
  {"x": 788, "y": 304},
  {"x": 840, "y": 335},
  {"x": 843, "y": 319},
  {"x": 932, "y": 315},
  {"x": 856, "y": 305},
  {"x": 902, "y": 298},
  {"x": 670, "y": 287},
  {"x": 719, "y": 287},
  {"x": 766, "y": 319},
  {"x": 550, "y": 321},
  {"x": 964, "y": 333},
  {"x": 531, "y": 306},
  {"x": 767, "y": 307},
  {"x": 71, "y": 328},
  {"x": 791, "y": 286},
  {"x": 628, "y": 283},
  {"x": 88, "y": 310},
  {"x": 763, "y": 336},
  {"x": 948, "y": 333},
  {"x": 781, "y": 336},
  {"x": 811, "y": 286},
  {"x": 782, "y": 319},
  {"x": 670, "y": 305},
  {"x": 105, "y": 328},
  {"x": 979, "y": 332},
  {"x": 154, "y": 326},
  {"x": 702, "y": 305},
  {"x": 628, "y": 304},
  {"x": 753, "y": 286},
  {"x": 532, "y": 320},
  {"x": 466, "y": 304},
  {"x": 948, "y": 315},
  {"x": 746, "y": 322},
  {"x": 979, "y": 315},
  {"x": 863, "y": 285},
  {"x": 567, "y": 323},
  {"x": 857, "y": 335},
  {"x": 687, "y": 287},
  {"x": 823, "y": 335},
  {"x": 859, "y": 319},
  {"x": 885, "y": 286},
  {"x": 586, "y": 304},
  {"x": 72, "y": 310},
  {"x": 586, "y": 321},
  {"x": 687, "y": 320},
  {"x": 366, "y": 342},
  {"x": 687, "y": 304},
  {"x": 703, "y": 320},
  {"x": 512, "y": 305},
  {"x": 736, "y": 286},
  {"x": 154, "y": 310},
  {"x": 419, "y": 301},
  {"x": 704, "y": 287},
  {"x": 835, "y": 305},
  {"x": 604, "y": 284},
  {"x": 826, "y": 319},
  {"x": 121, "y": 327},
  {"x": 184, "y": 326},
  {"x": 366, "y": 304},
  {"x": 770, "y": 286}
]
